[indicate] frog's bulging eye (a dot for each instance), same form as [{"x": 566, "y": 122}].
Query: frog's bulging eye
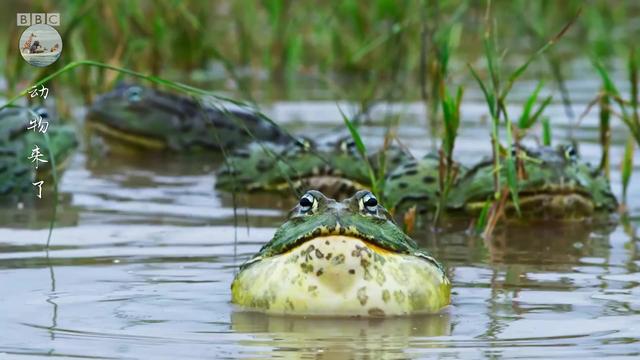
[
  {"x": 42, "y": 112},
  {"x": 134, "y": 94},
  {"x": 347, "y": 145},
  {"x": 370, "y": 203},
  {"x": 570, "y": 152},
  {"x": 301, "y": 145},
  {"x": 514, "y": 151},
  {"x": 306, "y": 202}
]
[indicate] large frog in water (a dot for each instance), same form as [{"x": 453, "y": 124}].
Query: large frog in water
[
  {"x": 554, "y": 184},
  {"x": 156, "y": 120},
  {"x": 415, "y": 182},
  {"x": 331, "y": 166},
  {"x": 17, "y": 172},
  {"x": 343, "y": 258}
]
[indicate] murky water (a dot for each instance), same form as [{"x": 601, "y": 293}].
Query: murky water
[{"x": 144, "y": 252}]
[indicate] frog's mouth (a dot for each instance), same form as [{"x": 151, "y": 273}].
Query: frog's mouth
[
  {"x": 327, "y": 233},
  {"x": 131, "y": 137},
  {"x": 550, "y": 202}
]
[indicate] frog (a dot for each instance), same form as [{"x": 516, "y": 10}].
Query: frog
[
  {"x": 333, "y": 166},
  {"x": 554, "y": 184},
  {"x": 20, "y": 134},
  {"x": 416, "y": 183},
  {"x": 146, "y": 119},
  {"x": 341, "y": 258}
]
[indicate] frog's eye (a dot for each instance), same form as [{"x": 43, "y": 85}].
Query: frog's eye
[
  {"x": 370, "y": 203},
  {"x": 42, "y": 112},
  {"x": 347, "y": 145},
  {"x": 301, "y": 145},
  {"x": 305, "y": 144},
  {"x": 134, "y": 94},
  {"x": 570, "y": 152},
  {"x": 514, "y": 151},
  {"x": 307, "y": 202}
]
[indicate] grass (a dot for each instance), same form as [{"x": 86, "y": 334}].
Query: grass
[
  {"x": 627, "y": 168},
  {"x": 495, "y": 94},
  {"x": 362, "y": 150},
  {"x": 628, "y": 113},
  {"x": 371, "y": 52},
  {"x": 448, "y": 168},
  {"x": 382, "y": 51}
]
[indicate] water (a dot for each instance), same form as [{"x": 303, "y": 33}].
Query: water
[
  {"x": 145, "y": 250},
  {"x": 41, "y": 60}
]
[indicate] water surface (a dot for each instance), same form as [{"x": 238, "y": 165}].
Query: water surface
[{"x": 144, "y": 252}]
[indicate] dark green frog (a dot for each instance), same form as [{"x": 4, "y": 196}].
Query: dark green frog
[
  {"x": 553, "y": 184},
  {"x": 332, "y": 166},
  {"x": 156, "y": 120},
  {"x": 17, "y": 144}
]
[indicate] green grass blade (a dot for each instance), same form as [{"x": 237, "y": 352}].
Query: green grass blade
[
  {"x": 605, "y": 134},
  {"x": 512, "y": 175},
  {"x": 609, "y": 85},
  {"x": 627, "y": 167},
  {"x": 524, "y": 120},
  {"x": 520, "y": 70},
  {"x": 539, "y": 111},
  {"x": 546, "y": 131},
  {"x": 362, "y": 150},
  {"x": 481, "y": 222},
  {"x": 488, "y": 95}
]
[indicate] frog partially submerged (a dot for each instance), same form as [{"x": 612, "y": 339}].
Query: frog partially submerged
[
  {"x": 17, "y": 141},
  {"x": 334, "y": 167},
  {"x": 415, "y": 182},
  {"x": 155, "y": 120},
  {"x": 344, "y": 258},
  {"x": 554, "y": 184}
]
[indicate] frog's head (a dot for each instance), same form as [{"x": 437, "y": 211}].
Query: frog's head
[
  {"x": 156, "y": 120},
  {"x": 333, "y": 167},
  {"x": 360, "y": 217},
  {"x": 553, "y": 183},
  {"x": 341, "y": 258},
  {"x": 139, "y": 115}
]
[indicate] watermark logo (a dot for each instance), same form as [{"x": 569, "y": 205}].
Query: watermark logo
[
  {"x": 28, "y": 19},
  {"x": 40, "y": 45}
]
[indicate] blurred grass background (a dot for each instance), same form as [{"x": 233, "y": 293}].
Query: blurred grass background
[{"x": 282, "y": 49}]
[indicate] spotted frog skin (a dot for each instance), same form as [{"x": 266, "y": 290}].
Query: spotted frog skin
[
  {"x": 154, "y": 120},
  {"x": 343, "y": 258},
  {"x": 17, "y": 172},
  {"x": 415, "y": 183},
  {"x": 331, "y": 166},
  {"x": 554, "y": 184}
]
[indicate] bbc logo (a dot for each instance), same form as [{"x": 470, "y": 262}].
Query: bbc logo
[{"x": 28, "y": 19}]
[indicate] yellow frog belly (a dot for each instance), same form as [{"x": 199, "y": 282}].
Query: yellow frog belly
[{"x": 341, "y": 276}]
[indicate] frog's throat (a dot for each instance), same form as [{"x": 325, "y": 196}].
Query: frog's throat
[{"x": 338, "y": 275}]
